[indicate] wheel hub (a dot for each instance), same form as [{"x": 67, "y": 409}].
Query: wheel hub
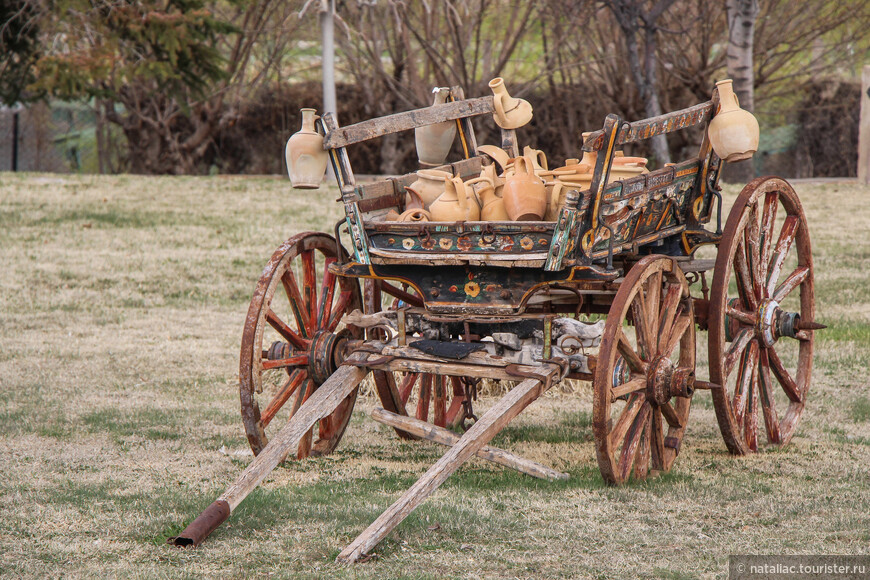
[
  {"x": 665, "y": 380},
  {"x": 774, "y": 322},
  {"x": 326, "y": 355}
]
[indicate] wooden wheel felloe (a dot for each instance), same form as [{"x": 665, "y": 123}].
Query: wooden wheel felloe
[
  {"x": 762, "y": 315},
  {"x": 294, "y": 340},
  {"x": 433, "y": 398},
  {"x": 644, "y": 379}
]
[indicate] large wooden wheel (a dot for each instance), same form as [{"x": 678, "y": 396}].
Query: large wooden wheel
[
  {"x": 644, "y": 377},
  {"x": 429, "y": 397},
  {"x": 293, "y": 340},
  {"x": 761, "y": 317}
]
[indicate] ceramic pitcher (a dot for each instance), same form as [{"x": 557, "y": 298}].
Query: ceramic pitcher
[
  {"x": 434, "y": 141},
  {"x": 454, "y": 204},
  {"x": 525, "y": 197},
  {"x": 306, "y": 158},
  {"x": 510, "y": 113},
  {"x": 733, "y": 131},
  {"x": 429, "y": 185}
]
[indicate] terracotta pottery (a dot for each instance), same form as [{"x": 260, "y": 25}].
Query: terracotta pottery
[
  {"x": 555, "y": 199},
  {"x": 392, "y": 216},
  {"x": 434, "y": 141},
  {"x": 497, "y": 154},
  {"x": 510, "y": 113},
  {"x": 429, "y": 185},
  {"x": 415, "y": 215},
  {"x": 733, "y": 131},
  {"x": 306, "y": 158},
  {"x": 454, "y": 204},
  {"x": 413, "y": 200},
  {"x": 537, "y": 158},
  {"x": 525, "y": 197}
]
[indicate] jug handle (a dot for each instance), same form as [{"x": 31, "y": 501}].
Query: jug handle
[
  {"x": 554, "y": 195},
  {"x": 479, "y": 180},
  {"x": 499, "y": 108},
  {"x": 460, "y": 187}
]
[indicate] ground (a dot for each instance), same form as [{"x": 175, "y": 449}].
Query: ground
[{"x": 121, "y": 309}]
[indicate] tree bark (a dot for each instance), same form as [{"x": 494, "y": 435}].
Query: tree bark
[{"x": 741, "y": 15}]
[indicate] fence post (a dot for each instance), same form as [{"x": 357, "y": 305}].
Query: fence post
[
  {"x": 864, "y": 129},
  {"x": 15, "y": 140}
]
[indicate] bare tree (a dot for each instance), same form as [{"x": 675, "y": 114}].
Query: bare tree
[{"x": 741, "y": 33}]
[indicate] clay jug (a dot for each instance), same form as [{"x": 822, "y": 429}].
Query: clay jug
[
  {"x": 733, "y": 132},
  {"x": 555, "y": 199},
  {"x": 510, "y": 113},
  {"x": 306, "y": 158},
  {"x": 454, "y": 204},
  {"x": 537, "y": 158},
  {"x": 414, "y": 215},
  {"x": 434, "y": 141},
  {"x": 525, "y": 197},
  {"x": 429, "y": 185}
]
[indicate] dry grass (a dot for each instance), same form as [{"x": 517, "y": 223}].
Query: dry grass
[{"x": 121, "y": 307}]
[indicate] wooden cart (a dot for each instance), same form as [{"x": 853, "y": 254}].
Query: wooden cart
[{"x": 603, "y": 293}]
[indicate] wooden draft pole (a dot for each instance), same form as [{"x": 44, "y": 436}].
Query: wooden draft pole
[
  {"x": 864, "y": 129},
  {"x": 323, "y": 402},
  {"x": 447, "y": 437},
  {"x": 472, "y": 441}
]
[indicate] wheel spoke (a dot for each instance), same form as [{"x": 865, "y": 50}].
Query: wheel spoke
[
  {"x": 735, "y": 350},
  {"x": 635, "y": 384},
  {"x": 338, "y": 312},
  {"x": 657, "y": 442},
  {"x": 408, "y": 386},
  {"x": 282, "y": 396},
  {"x": 677, "y": 331},
  {"x": 744, "y": 277},
  {"x": 751, "y": 421},
  {"x": 632, "y": 408},
  {"x": 297, "y": 305},
  {"x": 641, "y": 464},
  {"x": 452, "y": 415},
  {"x": 281, "y": 328},
  {"x": 405, "y": 297},
  {"x": 326, "y": 293},
  {"x": 670, "y": 415},
  {"x": 768, "y": 221},
  {"x": 309, "y": 286},
  {"x": 793, "y": 280},
  {"x": 627, "y": 351},
  {"x": 768, "y": 405},
  {"x": 293, "y": 361},
  {"x": 440, "y": 396},
  {"x": 784, "y": 377},
  {"x": 753, "y": 250},
  {"x": 669, "y": 307},
  {"x": 632, "y": 441},
  {"x": 742, "y": 390},
  {"x": 748, "y": 318},
  {"x": 642, "y": 331},
  {"x": 781, "y": 250},
  {"x": 425, "y": 395},
  {"x": 653, "y": 303}
]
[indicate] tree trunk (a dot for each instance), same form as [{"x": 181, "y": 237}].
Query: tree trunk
[{"x": 741, "y": 30}]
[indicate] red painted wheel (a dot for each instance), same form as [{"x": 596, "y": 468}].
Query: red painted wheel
[
  {"x": 762, "y": 315},
  {"x": 293, "y": 341},
  {"x": 644, "y": 378},
  {"x": 429, "y": 397}
]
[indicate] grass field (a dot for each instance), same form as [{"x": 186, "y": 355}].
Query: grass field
[{"x": 121, "y": 309}]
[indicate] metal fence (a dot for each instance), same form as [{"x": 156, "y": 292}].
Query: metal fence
[{"x": 59, "y": 138}]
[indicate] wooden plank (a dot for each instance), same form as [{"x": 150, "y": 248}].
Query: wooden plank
[
  {"x": 381, "y": 126},
  {"x": 475, "y": 438},
  {"x": 653, "y": 126},
  {"x": 447, "y": 437},
  {"x": 320, "y": 404}
]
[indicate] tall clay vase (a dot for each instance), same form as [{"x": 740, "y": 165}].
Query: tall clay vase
[
  {"x": 454, "y": 204},
  {"x": 434, "y": 141},
  {"x": 525, "y": 196},
  {"x": 510, "y": 113},
  {"x": 306, "y": 158},
  {"x": 733, "y": 131}
]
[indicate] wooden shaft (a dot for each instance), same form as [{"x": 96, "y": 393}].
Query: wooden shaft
[
  {"x": 449, "y": 438},
  {"x": 323, "y": 402},
  {"x": 475, "y": 438}
]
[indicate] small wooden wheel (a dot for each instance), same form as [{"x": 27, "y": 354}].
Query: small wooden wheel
[
  {"x": 293, "y": 340},
  {"x": 433, "y": 398},
  {"x": 644, "y": 377},
  {"x": 758, "y": 323}
]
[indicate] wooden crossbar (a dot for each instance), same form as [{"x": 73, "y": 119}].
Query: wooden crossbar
[{"x": 646, "y": 128}]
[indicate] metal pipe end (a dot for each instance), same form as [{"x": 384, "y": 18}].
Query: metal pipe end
[{"x": 199, "y": 529}]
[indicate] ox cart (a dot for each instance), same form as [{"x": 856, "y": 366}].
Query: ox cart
[{"x": 609, "y": 291}]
